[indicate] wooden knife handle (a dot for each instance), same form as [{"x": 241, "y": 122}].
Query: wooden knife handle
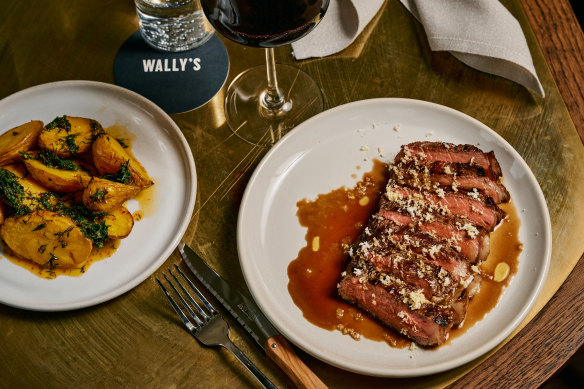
[{"x": 280, "y": 351}]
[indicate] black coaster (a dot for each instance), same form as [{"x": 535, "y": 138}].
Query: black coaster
[{"x": 176, "y": 82}]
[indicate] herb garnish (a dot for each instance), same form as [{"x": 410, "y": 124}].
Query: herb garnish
[
  {"x": 68, "y": 143},
  {"x": 96, "y": 128},
  {"x": 96, "y": 231},
  {"x": 40, "y": 227},
  {"x": 51, "y": 159},
  {"x": 123, "y": 175},
  {"x": 12, "y": 192},
  {"x": 98, "y": 196},
  {"x": 47, "y": 201},
  {"x": 59, "y": 122},
  {"x": 26, "y": 155},
  {"x": 66, "y": 232},
  {"x": 52, "y": 262},
  {"x": 122, "y": 142},
  {"x": 90, "y": 222}
]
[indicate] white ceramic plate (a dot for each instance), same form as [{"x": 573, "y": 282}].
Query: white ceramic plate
[
  {"x": 159, "y": 146},
  {"x": 320, "y": 155}
]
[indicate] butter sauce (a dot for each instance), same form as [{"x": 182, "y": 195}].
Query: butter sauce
[
  {"x": 334, "y": 220},
  {"x": 108, "y": 249}
]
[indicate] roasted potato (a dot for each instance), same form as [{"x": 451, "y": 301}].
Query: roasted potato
[
  {"x": 47, "y": 239},
  {"x": 109, "y": 157},
  {"x": 119, "y": 223},
  {"x": 18, "y": 139},
  {"x": 58, "y": 180},
  {"x": 86, "y": 163},
  {"x": 18, "y": 189},
  {"x": 106, "y": 195},
  {"x": 68, "y": 135}
]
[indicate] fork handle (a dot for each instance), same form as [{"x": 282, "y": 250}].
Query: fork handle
[
  {"x": 249, "y": 365},
  {"x": 280, "y": 351}
]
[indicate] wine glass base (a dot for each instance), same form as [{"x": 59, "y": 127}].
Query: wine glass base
[{"x": 251, "y": 121}]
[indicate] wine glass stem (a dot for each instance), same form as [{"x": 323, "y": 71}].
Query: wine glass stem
[{"x": 272, "y": 99}]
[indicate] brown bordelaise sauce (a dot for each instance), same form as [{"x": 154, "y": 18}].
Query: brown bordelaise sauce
[{"x": 336, "y": 219}]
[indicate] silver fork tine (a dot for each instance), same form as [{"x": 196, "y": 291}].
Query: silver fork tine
[
  {"x": 175, "y": 306},
  {"x": 194, "y": 288},
  {"x": 185, "y": 304},
  {"x": 191, "y": 299}
]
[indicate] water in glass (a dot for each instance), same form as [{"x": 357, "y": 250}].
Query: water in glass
[{"x": 173, "y": 25}]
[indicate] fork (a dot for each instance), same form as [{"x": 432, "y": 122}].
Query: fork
[{"x": 208, "y": 327}]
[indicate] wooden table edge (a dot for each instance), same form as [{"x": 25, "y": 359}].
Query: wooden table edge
[{"x": 544, "y": 346}]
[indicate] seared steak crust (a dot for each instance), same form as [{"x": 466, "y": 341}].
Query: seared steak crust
[{"x": 415, "y": 265}]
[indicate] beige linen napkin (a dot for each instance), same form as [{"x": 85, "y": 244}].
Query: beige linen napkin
[
  {"x": 343, "y": 22},
  {"x": 481, "y": 33}
]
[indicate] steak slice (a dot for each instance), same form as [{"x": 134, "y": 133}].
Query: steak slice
[
  {"x": 448, "y": 152},
  {"x": 452, "y": 176},
  {"x": 411, "y": 239},
  {"x": 414, "y": 267},
  {"x": 479, "y": 210},
  {"x": 465, "y": 238},
  {"x": 428, "y": 325}
]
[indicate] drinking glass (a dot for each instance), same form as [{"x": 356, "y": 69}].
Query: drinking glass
[
  {"x": 172, "y": 25},
  {"x": 262, "y": 103}
]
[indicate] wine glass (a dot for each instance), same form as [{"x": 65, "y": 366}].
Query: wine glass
[{"x": 262, "y": 103}]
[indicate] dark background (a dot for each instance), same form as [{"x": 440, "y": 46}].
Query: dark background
[
  {"x": 578, "y": 5},
  {"x": 572, "y": 375}
]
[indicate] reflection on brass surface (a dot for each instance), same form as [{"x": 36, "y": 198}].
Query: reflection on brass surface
[
  {"x": 356, "y": 48},
  {"x": 216, "y": 106},
  {"x": 135, "y": 340}
]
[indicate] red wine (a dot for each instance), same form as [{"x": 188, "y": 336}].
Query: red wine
[{"x": 264, "y": 23}]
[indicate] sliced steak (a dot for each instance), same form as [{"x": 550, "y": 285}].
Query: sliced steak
[{"x": 415, "y": 265}]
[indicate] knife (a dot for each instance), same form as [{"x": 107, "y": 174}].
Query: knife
[{"x": 253, "y": 320}]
